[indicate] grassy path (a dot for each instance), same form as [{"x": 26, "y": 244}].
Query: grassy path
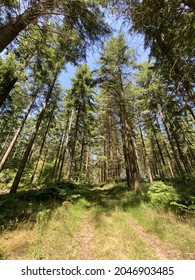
[
  {"x": 84, "y": 240},
  {"x": 163, "y": 251},
  {"x": 101, "y": 225},
  {"x": 118, "y": 236}
]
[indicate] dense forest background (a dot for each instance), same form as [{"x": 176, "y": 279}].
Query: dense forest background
[{"x": 122, "y": 122}]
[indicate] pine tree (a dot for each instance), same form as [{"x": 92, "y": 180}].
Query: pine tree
[{"x": 115, "y": 63}]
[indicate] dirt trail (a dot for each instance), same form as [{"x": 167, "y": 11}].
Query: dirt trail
[
  {"x": 164, "y": 251},
  {"x": 84, "y": 240}
]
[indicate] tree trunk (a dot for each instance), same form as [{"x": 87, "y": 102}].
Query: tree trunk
[
  {"x": 42, "y": 146},
  {"x": 87, "y": 177},
  {"x": 158, "y": 144},
  {"x": 42, "y": 167},
  {"x": 165, "y": 145},
  {"x": 134, "y": 165},
  {"x": 4, "y": 142},
  {"x": 57, "y": 160},
  {"x": 24, "y": 160},
  {"x": 172, "y": 144},
  {"x": 65, "y": 144},
  {"x": 11, "y": 30},
  {"x": 125, "y": 151},
  {"x": 81, "y": 159},
  {"x": 17, "y": 133},
  {"x": 128, "y": 131},
  {"x": 72, "y": 158},
  {"x": 145, "y": 155}
]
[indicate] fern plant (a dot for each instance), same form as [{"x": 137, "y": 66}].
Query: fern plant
[{"x": 179, "y": 200}]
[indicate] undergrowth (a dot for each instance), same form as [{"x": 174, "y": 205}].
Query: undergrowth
[
  {"x": 33, "y": 205},
  {"x": 177, "y": 196}
]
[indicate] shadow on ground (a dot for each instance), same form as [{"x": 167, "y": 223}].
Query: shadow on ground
[
  {"x": 25, "y": 206},
  {"x": 112, "y": 196}
]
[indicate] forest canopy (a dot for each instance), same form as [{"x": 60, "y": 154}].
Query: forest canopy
[{"x": 122, "y": 121}]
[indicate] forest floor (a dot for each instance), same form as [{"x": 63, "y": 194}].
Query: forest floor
[{"x": 100, "y": 224}]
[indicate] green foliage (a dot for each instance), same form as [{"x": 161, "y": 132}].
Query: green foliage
[
  {"x": 43, "y": 216},
  {"x": 46, "y": 175},
  {"x": 6, "y": 177},
  {"x": 180, "y": 200}
]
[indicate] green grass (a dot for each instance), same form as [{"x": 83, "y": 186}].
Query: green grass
[
  {"x": 55, "y": 239},
  {"x": 168, "y": 228},
  {"x": 116, "y": 239},
  {"x": 52, "y": 217},
  {"x": 51, "y": 237}
]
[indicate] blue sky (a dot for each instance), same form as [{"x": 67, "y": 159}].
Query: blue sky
[{"x": 134, "y": 41}]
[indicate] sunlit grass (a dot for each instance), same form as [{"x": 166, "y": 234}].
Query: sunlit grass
[
  {"x": 35, "y": 226},
  {"x": 167, "y": 226},
  {"x": 58, "y": 242},
  {"x": 48, "y": 239},
  {"x": 116, "y": 239}
]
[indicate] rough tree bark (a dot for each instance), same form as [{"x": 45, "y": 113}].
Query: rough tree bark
[{"x": 12, "y": 29}]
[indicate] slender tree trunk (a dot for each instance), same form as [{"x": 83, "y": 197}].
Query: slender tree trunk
[
  {"x": 125, "y": 152},
  {"x": 154, "y": 163},
  {"x": 57, "y": 160},
  {"x": 100, "y": 173},
  {"x": 17, "y": 133},
  {"x": 81, "y": 159},
  {"x": 24, "y": 160},
  {"x": 110, "y": 152},
  {"x": 65, "y": 144},
  {"x": 132, "y": 157},
  {"x": 12, "y": 29},
  {"x": 87, "y": 160},
  {"x": 42, "y": 146},
  {"x": 172, "y": 144},
  {"x": 42, "y": 167},
  {"x": 118, "y": 163},
  {"x": 111, "y": 162},
  {"x": 145, "y": 155},
  {"x": 105, "y": 177},
  {"x": 181, "y": 154},
  {"x": 134, "y": 166},
  {"x": 129, "y": 151},
  {"x": 158, "y": 144},
  {"x": 4, "y": 142},
  {"x": 165, "y": 145},
  {"x": 72, "y": 159}
]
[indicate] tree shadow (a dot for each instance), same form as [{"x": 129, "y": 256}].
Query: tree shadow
[
  {"x": 29, "y": 206},
  {"x": 24, "y": 206},
  {"x": 117, "y": 196}
]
